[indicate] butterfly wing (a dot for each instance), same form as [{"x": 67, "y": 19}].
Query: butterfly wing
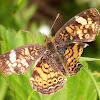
[
  {"x": 70, "y": 54},
  {"x": 83, "y": 27},
  {"x": 46, "y": 77},
  {"x": 20, "y": 59}
]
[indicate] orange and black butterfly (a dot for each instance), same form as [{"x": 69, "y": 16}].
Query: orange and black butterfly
[{"x": 56, "y": 58}]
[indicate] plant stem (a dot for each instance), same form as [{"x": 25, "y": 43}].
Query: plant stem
[
  {"x": 93, "y": 79},
  {"x": 29, "y": 97}
]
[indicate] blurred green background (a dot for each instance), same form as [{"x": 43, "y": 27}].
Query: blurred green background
[{"x": 36, "y": 15}]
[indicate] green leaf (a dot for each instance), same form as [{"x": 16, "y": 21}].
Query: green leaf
[
  {"x": 80, "y": 86},
  {"x": 3, "y": 88},
  {"x": 22, "y": 18}
]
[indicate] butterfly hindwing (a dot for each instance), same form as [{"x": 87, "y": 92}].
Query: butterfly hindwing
[
  {"x": 70, "y": 54},
  {"x": 20, "y": 59},
  {"x": 83, "y": 28},
  {"x": 46, "y": 77}
]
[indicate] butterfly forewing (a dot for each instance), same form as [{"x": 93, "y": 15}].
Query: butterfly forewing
[
  {"x": 46, "y": 77},
  {"x": 83, "y": 28},
  {"x": 20, "y": 59}
]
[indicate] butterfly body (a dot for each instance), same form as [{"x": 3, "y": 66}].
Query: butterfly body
[{"x": 56, "y": 58}]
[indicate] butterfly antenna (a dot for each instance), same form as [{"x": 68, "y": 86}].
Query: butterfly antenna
[
  {"x": 55, "y": 21},
  {"x": 28, "y": 32}
]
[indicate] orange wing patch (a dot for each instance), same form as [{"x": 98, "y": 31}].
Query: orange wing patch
[
  {"x": 70, "y": 54},
  {"x": 45, "y": 78},
  {"x": 81, "y": 28}
]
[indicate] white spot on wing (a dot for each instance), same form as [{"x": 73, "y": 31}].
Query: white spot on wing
[
  {"x": 18, "y": 60},
  {"x": 12, "y": 56},
  {"x": 24, "y": 62},
  {"x": 79, "y": 32},
  {"x": 11, "y": 69},
  {"x": 9, "y": 64},
  {"x": 31, "y": 79},
  {"x": 81, "y": 20},
  {"x": 76, "y": 17},
  {"x": 19, "y": 65},
  {"x": 14, "y": 65}
]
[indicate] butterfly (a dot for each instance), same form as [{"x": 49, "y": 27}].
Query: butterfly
[{"x": 56, "y": 59}]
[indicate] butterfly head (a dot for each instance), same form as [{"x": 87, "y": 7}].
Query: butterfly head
[
  {"x": 49, "y": 44},
  {"x": 47, "y": 40}
]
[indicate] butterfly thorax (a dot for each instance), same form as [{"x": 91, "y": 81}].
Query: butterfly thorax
[
  {"x": 51, "y": 47},
  {"x": 49, "y": 44}
]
